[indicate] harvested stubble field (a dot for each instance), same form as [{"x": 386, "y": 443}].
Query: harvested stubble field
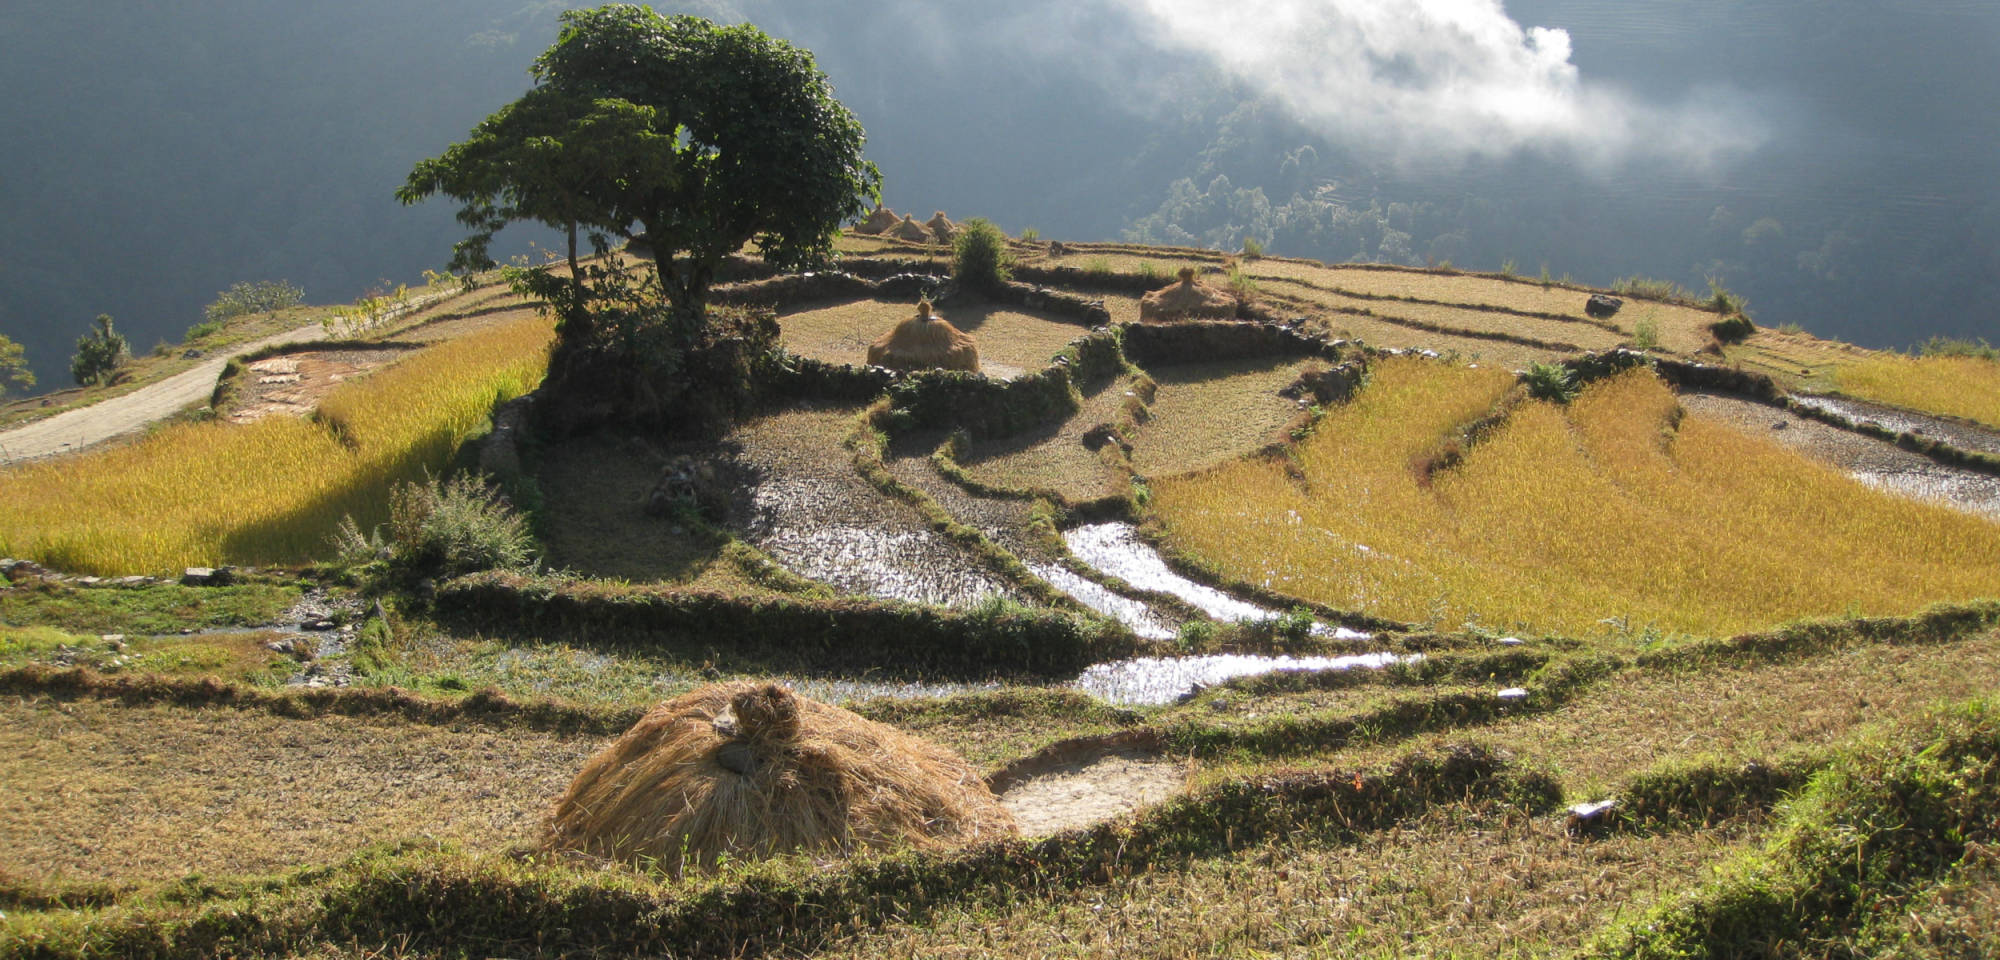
[
  {"x": 1012, "y": 341},
  {"x": 1208, "y": 413},
  {"x": 1411, "y": 811}
]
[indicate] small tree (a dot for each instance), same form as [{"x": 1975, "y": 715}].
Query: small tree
[
  {"x": 98, "y": 353},
  {"x": 14, "y": 366},
  {"x": 697, "y": 138}
]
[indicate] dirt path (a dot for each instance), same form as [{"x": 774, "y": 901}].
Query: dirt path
[{"x": 78, "y": 429}]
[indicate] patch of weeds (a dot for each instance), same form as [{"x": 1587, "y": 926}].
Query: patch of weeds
[
  {"x": 1646, "y": 334},
  {"x": 456, "y": 526},
  {"x": 1152, "y": 273},
  {"x": 164, "y": 608},
  {"x": 1507, "y": 267},
  {"x": 1196, "y": 635},
  {"x": 1722, "y": 301},
  {"x": 1647, "y": 288},
  {"x": 1030, "y": 235},
  {"x": 1253, "y": 249},
  {"x": 1097, "y": 267},
  {"x": 1938, "y": 346}
]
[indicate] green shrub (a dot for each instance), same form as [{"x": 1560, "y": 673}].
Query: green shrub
[
  {"x": 1030, "y": 235},
  {"x": 979, "y": 256},
  {"x": 98, "y": 353},
  {"x": 1550, "y": 381},
  {"x": 1733, "y": 329},
  {"x": 1252, "y": 248},
  {"x": 1197, "y": 634},
  {"x": 1152, "y": 273},
  {"x": 456, "y": 526}
]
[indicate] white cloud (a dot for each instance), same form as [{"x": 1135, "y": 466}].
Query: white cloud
[{"x": 1440, "y": 80}]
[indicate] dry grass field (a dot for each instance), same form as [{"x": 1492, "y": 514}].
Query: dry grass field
[
  {"x": 1967, "y": 387},
  {"x": 1204, "y": 414}
]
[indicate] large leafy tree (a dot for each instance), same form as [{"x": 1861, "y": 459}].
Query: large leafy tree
[
  {"x": 696, "y": 137},
  {"x": 98, "y": 353}
]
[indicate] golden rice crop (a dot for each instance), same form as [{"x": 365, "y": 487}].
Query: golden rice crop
[
  {"x": 1966, "y": 387},
  {"x": 1612, "y": 512},
  {"x": 201, "y": 494}
]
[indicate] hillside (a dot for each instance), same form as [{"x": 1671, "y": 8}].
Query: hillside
[{"x": 1327, "y": 629}]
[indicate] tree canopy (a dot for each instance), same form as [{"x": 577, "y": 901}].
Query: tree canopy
[
  {"x": 14, "y": 366},
  {"x": 694, "y": 137},
  {"x": 98, "y": 353}
]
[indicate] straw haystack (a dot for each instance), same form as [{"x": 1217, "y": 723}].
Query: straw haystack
[
  {"x": 752, "y": 770},
  {"x": 882, "y": 219},
  {"x": 941, "y": 227},
  {"x": 909, "y": 229},
  {"x": 1187, "y": 300},
  {"x": 925, "y": 342}
]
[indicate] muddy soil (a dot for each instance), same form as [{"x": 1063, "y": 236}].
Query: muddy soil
[
  {"x": 294, "y": 384},
  {"x": 1872, "y": 461},
  {"x": 808, "y": 508}
]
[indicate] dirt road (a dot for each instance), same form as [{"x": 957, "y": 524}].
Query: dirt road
[{"x": 74, "y": 430}]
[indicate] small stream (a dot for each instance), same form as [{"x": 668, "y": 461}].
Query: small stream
[{"x": 1147, "y": 681}]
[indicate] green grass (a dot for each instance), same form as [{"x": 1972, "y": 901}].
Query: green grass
[{"x": 166, "y": 608}]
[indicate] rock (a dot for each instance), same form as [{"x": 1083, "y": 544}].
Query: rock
[
  {"x": 27, "y": 568},
  {"x": 1510, "y": 641},
  {"x": 1781, "y": 425},
  {"x": 192, "y": 354},
  {"x": 134, "y": 581},
  {"x": 197, "y": 576},
  {"x": 115, "y": 641},
  {"x": 1601, "y": 306},
  {"x": 88, "y": 582},
  {"x": 318, "y": 625},
  {"x": 1513, "y": 694},
  {"x": 1097, "y": 437},
  {"x": 1591, "y": 818},
  {"x": 687, "y": 481}
]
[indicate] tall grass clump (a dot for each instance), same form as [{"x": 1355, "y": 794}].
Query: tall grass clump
[
  {"x": 1613, "y": 512},
  {"x": 270, "y": 492},
  {"x": 1647, "y": 288},
  {"x": 1958, "y": 385}
]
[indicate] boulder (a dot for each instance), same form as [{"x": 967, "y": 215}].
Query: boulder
[{"x": 1600, "y": 305}]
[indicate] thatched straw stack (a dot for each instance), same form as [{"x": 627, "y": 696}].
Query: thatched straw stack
[
  {"x": 880, "y": 220},
  {"x": 752, "y": 770},
  {"x": 925, "y": 342},
  {"x": 1187, "y": 300},
  {"x": 909, "y": 229},
  {"x": 941, "y": 227}
]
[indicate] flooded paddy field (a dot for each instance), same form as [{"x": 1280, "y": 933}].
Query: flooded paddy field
[
  {"x": 1874, "y": 462},
  {"x": 808, "y": 508}
]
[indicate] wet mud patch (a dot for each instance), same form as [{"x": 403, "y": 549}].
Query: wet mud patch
[
  {"x": 1874, "y": 462},
  {"x": 807, "y": 507},
  {"x": 1012, "y": 341},
  {"x": 293, "y": 384},
  {"x": 1204, "y": 414}
]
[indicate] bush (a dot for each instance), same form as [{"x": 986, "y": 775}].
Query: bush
[
  {"x": 98, "y": 353},
  {"x": 979, "y": 256},
  {"x": 1252, "y": 248},
  {"x": 1550, "y": 381},
  {"x": 1733, "y": 329},
  {"x": 1979, "y": 349},
  {"x": 1646, "y": 288},
  {"x": 457, "y": 526}
]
